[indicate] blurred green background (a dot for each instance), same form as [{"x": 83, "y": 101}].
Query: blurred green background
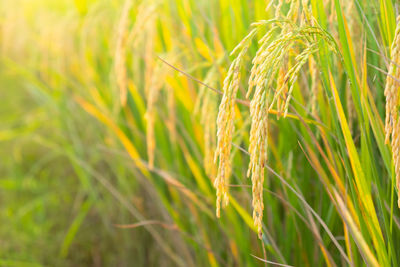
[{"x": 107, "y": 152}]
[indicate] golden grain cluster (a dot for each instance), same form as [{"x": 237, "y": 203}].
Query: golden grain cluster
[
  {"x": 392, "y": 122},
  {"x": 225, "y": 125},
  {"x": 288, "y": 44}
]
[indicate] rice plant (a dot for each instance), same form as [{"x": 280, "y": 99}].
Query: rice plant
[{"x": 199, "y": 133}]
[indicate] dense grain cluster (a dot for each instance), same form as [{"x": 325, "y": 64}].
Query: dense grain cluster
[
  {"x": 225, "y": 124},
  {"x": 271, "y": 84},
  {"x": 392, "y": 122}
]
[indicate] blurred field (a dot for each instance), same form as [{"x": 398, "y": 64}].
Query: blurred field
[{"x": 108, "y": 132}]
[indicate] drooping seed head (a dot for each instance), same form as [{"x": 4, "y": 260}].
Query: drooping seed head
[{"x": 392, "y": 120}]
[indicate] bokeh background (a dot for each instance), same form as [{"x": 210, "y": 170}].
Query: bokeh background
[{"x": 107, "y": 138}]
